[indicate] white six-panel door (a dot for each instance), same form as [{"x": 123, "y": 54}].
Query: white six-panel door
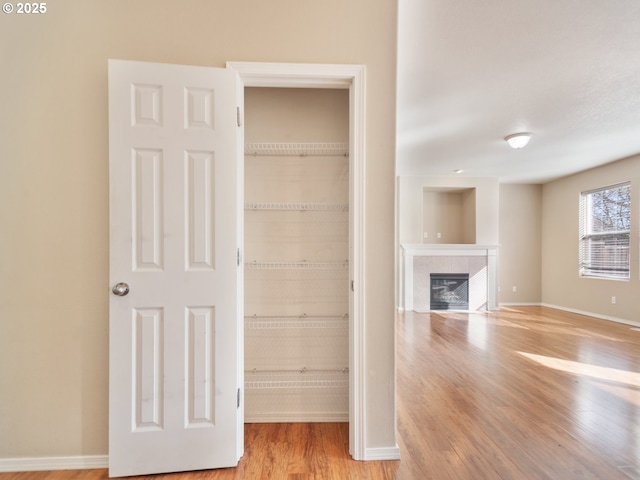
[{"x": 174, "y": 364}]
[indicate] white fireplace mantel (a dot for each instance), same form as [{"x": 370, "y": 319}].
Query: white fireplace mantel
[{"x": 409, "y": 251}]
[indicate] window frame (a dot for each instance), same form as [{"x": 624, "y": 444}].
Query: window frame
[{"x": 614, "y": 260}]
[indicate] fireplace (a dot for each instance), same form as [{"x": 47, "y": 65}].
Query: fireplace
[
  {"x": 420, "y": 260},
  {"x": 449, "y": 291}
]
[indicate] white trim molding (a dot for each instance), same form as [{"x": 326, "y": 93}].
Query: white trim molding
[
  {"x": 33, "y": 464},
  {"x": 310, "y": 417},
  {"x": 353, "y": 78},
  {"x": 594, "y": 315},
  {"x": 297, "y": 75},
  {"x": 599, "y": 316},
  {"x": 384, "y": 453},
  {"x": 520, "y": 304}
]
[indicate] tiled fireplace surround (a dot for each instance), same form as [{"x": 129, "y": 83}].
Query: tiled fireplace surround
[{"x": 479, "y": 261}]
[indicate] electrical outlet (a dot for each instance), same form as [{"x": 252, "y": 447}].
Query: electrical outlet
[
  {"x": 514, "y": 288},
  {"x": 439, "y": 235},
  {"x": 425, "y": 235},
  {"x": 613, "y": 300}
]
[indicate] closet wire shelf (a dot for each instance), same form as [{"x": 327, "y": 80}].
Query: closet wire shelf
[
  {"x": 317, "y": 149},
  {"x": 259, "y": 322},
  {"x": 302, "y": 207},
  {"x": 300, "y": 265},
  {"x": 295, "y": 379}
]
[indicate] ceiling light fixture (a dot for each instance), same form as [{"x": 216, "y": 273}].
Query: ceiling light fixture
[{"x": 518, "y": 140}]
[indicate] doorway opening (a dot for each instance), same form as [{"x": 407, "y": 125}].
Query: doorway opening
[
  {"x": 296, "y": 244},
  {"x": 352, "y": 79}
]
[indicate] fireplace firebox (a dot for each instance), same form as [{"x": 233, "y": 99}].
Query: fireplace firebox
[{"x": 449, "y": 291}]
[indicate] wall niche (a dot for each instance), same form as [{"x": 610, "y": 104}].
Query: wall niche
[{"x": 448, "y": 215}]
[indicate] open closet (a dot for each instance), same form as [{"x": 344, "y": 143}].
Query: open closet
[{"x": 296, "y": 254}]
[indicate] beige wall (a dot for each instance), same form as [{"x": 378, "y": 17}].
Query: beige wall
[
  {"x": 410, "y": 195},
  {"x": 519, "y": 259},
  {"x": 561, "y": 285},
  {"x": 449, "y": 216},
  {"x": 296, "y": 115},
  {"x": 469, "y": 215},
  {"x": 54, "y": 188}
]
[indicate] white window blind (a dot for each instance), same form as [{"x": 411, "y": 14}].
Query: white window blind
[{"x": 605, "y": 223}]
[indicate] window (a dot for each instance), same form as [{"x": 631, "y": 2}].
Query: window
[{"x": 605, "y": 222}]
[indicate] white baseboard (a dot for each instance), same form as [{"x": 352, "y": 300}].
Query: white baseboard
[
  {"x": 304, "y": 417},
  {"x": 574, "y": 310},
  {"x": 595, "y": 315},
  {"x": 382, "y": 453},
  {"x": 27, "y": 464},
  {"x": 521, "y": 304}
]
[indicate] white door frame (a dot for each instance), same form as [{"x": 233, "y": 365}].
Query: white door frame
[{"x": 352, "y": 77}]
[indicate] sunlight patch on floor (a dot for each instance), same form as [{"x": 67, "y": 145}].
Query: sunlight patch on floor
[
  {"x": 631, "y": 395},
  {"x": 578, "y": 368}
]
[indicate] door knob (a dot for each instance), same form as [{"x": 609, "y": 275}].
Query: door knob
[{"x": 120, "y": 289}]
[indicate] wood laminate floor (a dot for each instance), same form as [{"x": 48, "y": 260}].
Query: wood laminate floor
[{"x": 524, "y": 393}]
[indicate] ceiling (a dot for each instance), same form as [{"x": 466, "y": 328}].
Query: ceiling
[{"x": 471, "y": 73}]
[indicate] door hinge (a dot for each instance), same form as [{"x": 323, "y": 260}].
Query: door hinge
[
  {"x": 238, "y": 257},
  {"x": 352, "y": 286},
  {"x": 238, "y": 399},
  {"x": 238, "y": 119}
]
